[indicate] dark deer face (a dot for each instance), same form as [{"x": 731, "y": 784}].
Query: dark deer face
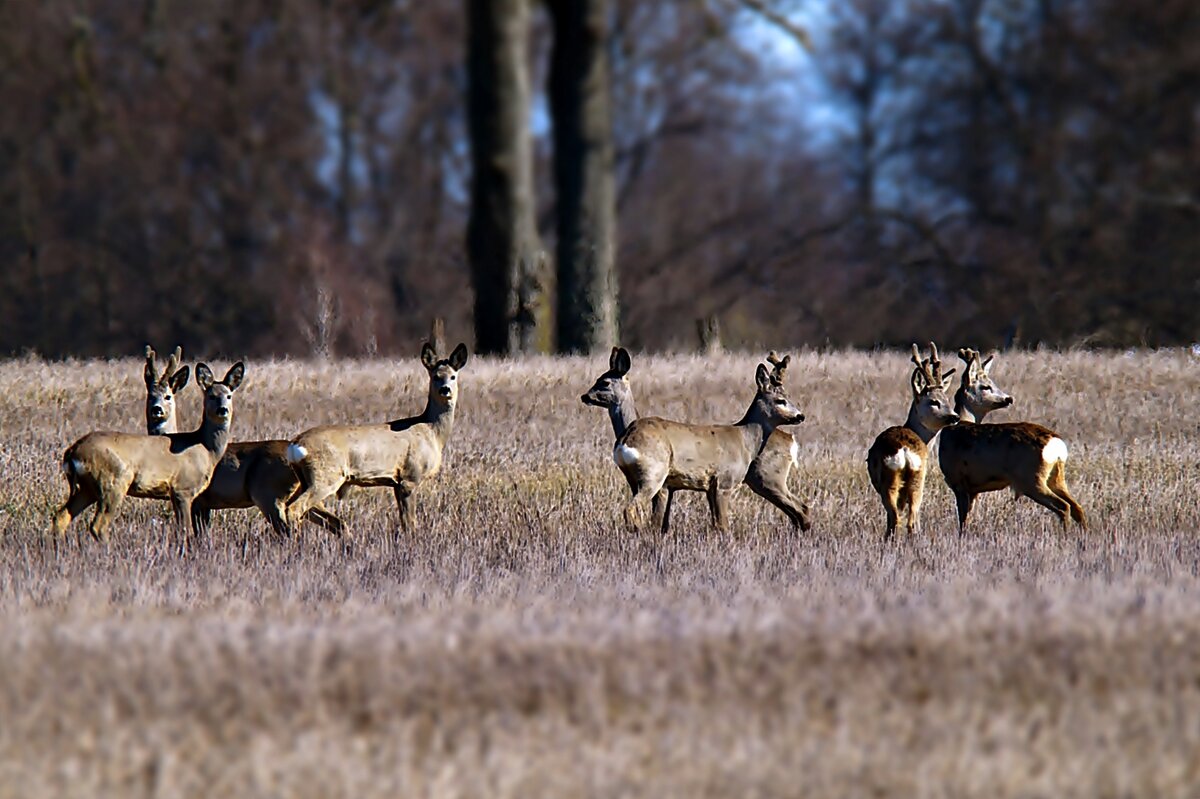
[
  {"x": 218, "y": 397},
  {"x": 443, "y": 373},
  {"x": 612, "y": 387},
  {"x": 161, "y": 390}
]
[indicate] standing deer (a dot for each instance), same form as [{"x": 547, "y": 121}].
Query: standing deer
[
  {"x": 250, "y": 474},
  {"x": 161, "y": 391},
  {"x": 104, "y": 468},
  {"x": 401, "y": 454},
  {"x": 768, "y": 472},
  {"x": 1027, "y": 457},
  {"x": 898, "y": 460},
  {"x": 654, "y": 454}
]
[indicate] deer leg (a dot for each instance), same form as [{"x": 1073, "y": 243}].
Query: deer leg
[
  {"x": 889, "y": 493},
  {"x": 646, "y": 483},
  {"x": 777, "y": 493},
  {"x": 660, "y": 508},
  {"x": 78, "y": 501},
  {"x": 182, "y": 505},
  {"x": 718, "y": 505},
  {"x": 1058, "y": 484},
  {"x": 408, "y": 516},
  {"x": 106, "y": 510},
  {"x": 323, "y": 518},
  {"x": 916, "y": 492},
  {"x": 314, "y": 493},
  {"x": 201, "y": 518},
  {"x": 1042, "y": 495},
  {"x": 964, "y": 499}
]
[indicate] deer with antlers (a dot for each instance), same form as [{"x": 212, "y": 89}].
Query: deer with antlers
[
  {"x": 656, "y": 454},
  {"x": 1026, "y": 457},
  {"x": 768, "y": 472},
  {"x": 898, "y": 460},
  {"x": 161, "y": 389},
  {"x": 103, "y": 468}
]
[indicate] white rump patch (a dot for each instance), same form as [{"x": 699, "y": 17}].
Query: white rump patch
[
  {"x": 296, "y": 454},
  {"x": 1054, "y": 451},
  {"x": 625, "y": 455},
  {"x": 903, "y": 458},
  {"x": 795, "y": 452}
]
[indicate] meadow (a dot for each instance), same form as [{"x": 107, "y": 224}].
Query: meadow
[{"x": 522, "y": 643}]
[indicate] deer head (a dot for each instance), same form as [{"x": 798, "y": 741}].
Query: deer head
[
  {"x": 161, "y": 390},
  {"x": 612, "y": 387},
  {"x": 772, "y": 398},
  {"x": 930, "y": 404},
  {"x": 218, "y": 397},
  {"x": 443, "y": 373},
  {"x": 978, "y": 393}
]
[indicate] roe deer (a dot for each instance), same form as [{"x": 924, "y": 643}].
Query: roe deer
[
  {"x": 161, "y": 391},
  {"x": 256, "y": 474},
  {"x": 401, "y": 454},
  {"x": 250, "y": 473},
  {"x": 768, "y": 472},
  {"x": 1027, "y": 457},
  {"x": 104, "y": 468},
  {"x": 898, "y": 460},
  {"x": 654, "y": 454}
]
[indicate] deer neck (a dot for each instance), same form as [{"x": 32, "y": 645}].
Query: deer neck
[
  {"x": 622, "y": 415},
  {"x": 965, "y": 414},
  {"x": 914, "y": 424},
  {"x": 214, "y": 436},
  {"x": 756, "y": 427},
  {"x": 439, "y": 416}
]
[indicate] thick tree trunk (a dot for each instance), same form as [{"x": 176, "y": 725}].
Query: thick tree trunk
[
  {"x": 501, "y": 233},
  {"x": 583, "y": 171}
]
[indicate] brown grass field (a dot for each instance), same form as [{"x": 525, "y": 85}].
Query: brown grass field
[{"x": 522, "y": 644}]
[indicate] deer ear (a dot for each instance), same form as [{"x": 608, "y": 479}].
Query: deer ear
[
  {"x": 987, "y": 364},
  {"x": 180, "y": 378},
  {"x": 233, "y": 378},
  {"x": 458, "y": 358},
  {"x": 204, "y": 376},
  {"x": 762, "y": 377},
  {"x": 428, "y": 356},
  {"x": 612, "y": 359},
  {"x": 623, "y": 362},
  {"x": 946, "y": 379}
]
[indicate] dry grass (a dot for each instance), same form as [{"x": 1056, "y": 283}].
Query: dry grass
[{"x": 524, "y": 645}]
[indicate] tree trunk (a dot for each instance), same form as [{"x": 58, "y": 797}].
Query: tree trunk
[
  {"x": 501, "y": 232},
  {"x": 583, "y": 172}
]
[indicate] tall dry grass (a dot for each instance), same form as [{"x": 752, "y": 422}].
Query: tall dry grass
[{"x": 523, "y": 644}]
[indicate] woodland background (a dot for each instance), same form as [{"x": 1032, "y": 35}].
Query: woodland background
[{"x": 289, "y": 176}]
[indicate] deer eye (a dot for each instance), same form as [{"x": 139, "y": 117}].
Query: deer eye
[{"x": 781, "y": 402}]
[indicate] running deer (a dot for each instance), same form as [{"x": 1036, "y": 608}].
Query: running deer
[
  {"x": 104, "y": 468},
  {"x": 898, "y": 460},
  {"x": 401, "y": 454},
  {"x": 161, "y": 391},
  {"x": 654, "y": 454},
  {"x": 1027, "y": 457},
  {"x": 768, "y": 472}
]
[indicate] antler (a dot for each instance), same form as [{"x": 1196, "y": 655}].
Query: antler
[
  {"x": 935, "y": 365},
  {"x": 922, "y": 371},
  {"x": 778, "y": 366},
  {"x": 972, "y": 358},
  {"x": 173, "y": 363}
]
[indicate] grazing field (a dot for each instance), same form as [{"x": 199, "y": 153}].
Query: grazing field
[{"x": 522, "y": 644}]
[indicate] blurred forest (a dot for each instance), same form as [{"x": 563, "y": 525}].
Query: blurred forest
[{"x": 294, "y": 176}]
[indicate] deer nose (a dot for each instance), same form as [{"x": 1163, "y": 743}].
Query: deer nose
[
  {"x": 445, "y": 391},
  {"x": 1007, "y": 401}
]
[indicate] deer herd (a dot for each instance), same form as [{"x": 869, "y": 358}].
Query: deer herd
[{"x": 290, "y": 481}]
